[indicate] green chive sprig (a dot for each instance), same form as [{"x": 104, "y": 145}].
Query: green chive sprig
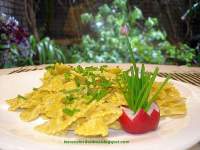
[
  {"x": 137, "y": 85},
  {"x": 137, "y": 88}
]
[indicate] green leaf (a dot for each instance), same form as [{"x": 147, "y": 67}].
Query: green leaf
[
  {"x": 121, "y": 4},
  {"x": 33, "y": 43},
  {"x": 50, "y": 50},
  {"x": 6, "y": 46},
  {"x": 104, "y": 10},
  {"x": 135, "y": 15},
  {"x": 60, "y": 56},
  {"x": 41, "y": 51},
  {"x": 86, "y": 18},
  {"x": 14, "y": 50},
  {"x": 151, "y": 22}
]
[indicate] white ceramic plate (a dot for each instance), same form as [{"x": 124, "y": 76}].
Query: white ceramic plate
[{"x": 173, "y": 133}]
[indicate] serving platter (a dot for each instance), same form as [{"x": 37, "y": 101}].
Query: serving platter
[{"x": 173, "y": 132}]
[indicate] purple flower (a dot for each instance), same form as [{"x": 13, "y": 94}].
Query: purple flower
[
  {"x": 9, "y": 26},
  {"x": 14, "y": 38}
]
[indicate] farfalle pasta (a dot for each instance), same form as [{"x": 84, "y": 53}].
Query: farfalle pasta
[{"x": 86, "y": 100}]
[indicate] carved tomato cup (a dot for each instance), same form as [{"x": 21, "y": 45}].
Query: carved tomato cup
[{"x": 141, "y": 121}]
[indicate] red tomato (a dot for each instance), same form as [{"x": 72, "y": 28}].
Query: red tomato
[{"x": 141, "y": 121}]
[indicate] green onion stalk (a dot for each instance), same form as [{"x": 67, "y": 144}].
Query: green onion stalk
[{"x": 138, "y": 85}]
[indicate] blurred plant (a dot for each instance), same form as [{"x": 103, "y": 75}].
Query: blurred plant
[
  {"x": 112, "y": 24},
  {"x": 46, "y": 51},
  {"x": 13, "y": 43},
  {"x": 18, "y": 49},
  {"x": 189, "y": 16}
]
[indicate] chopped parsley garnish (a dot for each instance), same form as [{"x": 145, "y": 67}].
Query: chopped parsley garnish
[
  {"x": 91, "y": 69},
  {"x": 70, "y": 112},
  {"x": 79, "y": 69},
  {"x": 102, "y": 68},
  {"x": 69, "y": 99},
  {"x": 100, "y": 94},
  {"x": 35, "y": 89},
  {"x": 90, "y": 84},
  {"x": 21, "y": 97},
  {"x": 105, "y": 83},
  {"x": 88, "y": 97},
  {"x": 67, "y": 76},
  {"x": 78, "y": 81},
  {"x": 97, "y": 95}
]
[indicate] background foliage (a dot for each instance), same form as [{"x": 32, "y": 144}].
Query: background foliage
[
  {"x": 17, "y": 48},
  {"x": 111, "y": 24}
]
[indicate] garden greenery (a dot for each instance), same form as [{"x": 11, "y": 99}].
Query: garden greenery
[
  {"x": 17, "y": 48},
  {"x": 112, "y": 23},
  {"x": 13, "y": 43},
  {"x": 46, "y": 51},
  {"x": 110, "y": 26}
]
